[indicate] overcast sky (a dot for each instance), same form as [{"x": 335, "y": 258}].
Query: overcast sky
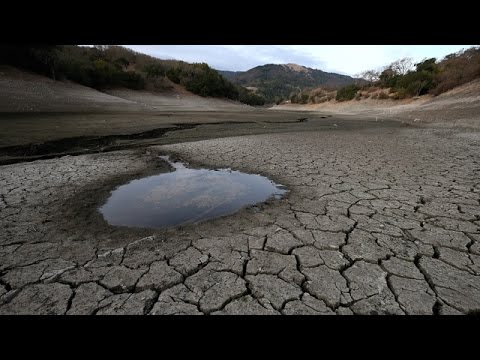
[{"x": 344, "y": 59}]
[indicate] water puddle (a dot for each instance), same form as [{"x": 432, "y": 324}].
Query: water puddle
[{"x": 186, "y": 196}]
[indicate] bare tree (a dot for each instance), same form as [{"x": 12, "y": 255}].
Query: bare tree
[
  {"x": 101, "y": 47},
  {"x": 402, "y": 66},
  {"x": 370, "y": 75}
]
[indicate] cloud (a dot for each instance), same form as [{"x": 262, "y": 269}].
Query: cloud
[{"x": 231, "y": 57}]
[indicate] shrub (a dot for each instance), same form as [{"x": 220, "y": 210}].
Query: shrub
[
  {"x": 200, "y": 79},
  {"x": 347, "y": 92},
  {"x": 174, "y": 74},
  {"x": 457, "y": 69},
  {"x": 250, "y": 98},
  {"x": 401, "y": 94},
  {"x": 154, "y": 70},
  {"x": 388, "y": 78},
  {"x": 418, "y": 82},
  {"x": 131, "y": 80},
  {"x": 304, "y": 98}
]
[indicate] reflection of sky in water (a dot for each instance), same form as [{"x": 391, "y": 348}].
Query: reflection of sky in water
[{"x": 185, "y": 196}]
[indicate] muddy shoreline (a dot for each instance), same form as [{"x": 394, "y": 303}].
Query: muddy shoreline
[{"x": 173, "y": 132}]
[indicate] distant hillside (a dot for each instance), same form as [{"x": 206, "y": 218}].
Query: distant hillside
[
  {"x": 229, "y": 75},
  {"x": 277, "y": 82}
]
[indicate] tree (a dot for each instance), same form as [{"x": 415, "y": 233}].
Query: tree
[
  {"x": 420, "y": 81},
  {"x": 347, "y": 92},
  {"x": 249, "y": 97},
  {"x": 371, "y": 76},
  {"x": 122, "y": 62},
  {"x": 47, "y": 56},
  {"x": 392, "y": 73},
  {"x": 175, "y": 74},
  {"x": 102, "y": 48},
  {"x": 428, "y": 65},
  {"x": 388, "y": 77},
  {"x": 402, "y": 66},
  {"x": 154, "y": 70}
]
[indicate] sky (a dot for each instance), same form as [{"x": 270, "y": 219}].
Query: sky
[{"x": 343, "y": 59}]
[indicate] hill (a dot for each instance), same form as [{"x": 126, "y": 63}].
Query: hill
[
  {"x": 278, "y": 82},
  {"x": 402, "y": 79},
  {"x": 229, "y": 75},
  {"x": 107, "y": 67},
  {"x": 27, "y": 92}
]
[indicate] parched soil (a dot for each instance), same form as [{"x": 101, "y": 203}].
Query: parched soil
[{"x": 380, "y": 220}]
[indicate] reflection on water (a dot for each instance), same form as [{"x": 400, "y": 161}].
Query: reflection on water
[{"x": 186, "y": 196}]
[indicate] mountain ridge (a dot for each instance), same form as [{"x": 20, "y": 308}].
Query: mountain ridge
[{"x": 276, "y": 82}]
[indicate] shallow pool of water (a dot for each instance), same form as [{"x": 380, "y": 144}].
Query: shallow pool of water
[{"x": 186, "y": 196}]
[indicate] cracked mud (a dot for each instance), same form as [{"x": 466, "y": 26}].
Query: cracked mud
[{"x": 377, "y": 221}]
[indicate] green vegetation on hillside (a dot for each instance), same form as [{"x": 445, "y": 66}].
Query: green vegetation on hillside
[
  {"x": 103, "y": 67},
  {"x": 347, "y": 93},
  {"x": 278, "y": 82},
  {"x": 413, "y": 82},
  {"x": 405, "y": 79},
  {"x": 457, "y": 69},
  {"x": 87, "y": 66},
  {"x": 300, "y": 98},
  {"x": 249, "y": 97},
  {"x": 202, "y": 80}
]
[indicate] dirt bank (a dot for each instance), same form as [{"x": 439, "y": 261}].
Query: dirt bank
[{"x": 26, "y": 92}]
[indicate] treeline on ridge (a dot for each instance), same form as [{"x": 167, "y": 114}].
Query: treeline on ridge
[
  {"x": 404, "y": 79},
  {"x": 103, "y": 67}
]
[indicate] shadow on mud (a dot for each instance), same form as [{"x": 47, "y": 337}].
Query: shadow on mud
[{"x": 94, "y": 144}]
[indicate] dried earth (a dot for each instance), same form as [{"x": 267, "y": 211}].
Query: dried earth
[{"x": 381, "y": 219}]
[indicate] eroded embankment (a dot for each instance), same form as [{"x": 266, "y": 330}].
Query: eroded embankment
[{"x": 167, "y": 134}]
